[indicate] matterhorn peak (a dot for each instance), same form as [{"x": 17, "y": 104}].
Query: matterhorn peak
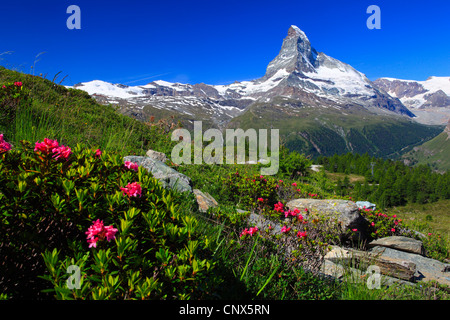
[
  {"x": 296, "y": 54},
  {"x": 295, "y": 31}
]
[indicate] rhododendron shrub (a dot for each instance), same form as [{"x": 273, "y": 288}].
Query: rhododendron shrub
[
  {"x": 52, "y": 148},
  {"x": 130, "y": 237},
  {"x": 381, "y": 224},
  {"x": 98, "y": 232},
  {"x": 4, "y": 146},
  {"x": 250, "y": 192}
]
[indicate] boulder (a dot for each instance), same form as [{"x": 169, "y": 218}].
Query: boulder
[
  {"x": 427, "y": 269},
  {"x": 156, "y": 155},
  {"x": 345, "y": 212},
  {"x": 397, "y": 268},
  {"x": 347, "y": 273},
  {"x": 170, "y": 178},
  {"x": 204, "y": 200},
  {"x": 400, "y": 243}
]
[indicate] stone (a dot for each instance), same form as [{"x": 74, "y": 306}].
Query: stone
[
  {"x": 263, "y": 223},
  {"x": 156, "y": 155},
  {"x": 397, "y": 268},
  {"x": 204, "y": 200},
  {"x": 345, "y": 212},
  {"x": 400, "y": 243},
  {"x": 366, "y": 205},
  {"x": 427, "y": 269},
  {"x": 170, "y": 178},
  {"x": 346, "y": 273}
]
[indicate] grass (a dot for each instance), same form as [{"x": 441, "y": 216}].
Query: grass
[
  {"x": 435, "y": 152},
  {"x": 427, "y": 217},
  {"x": 71, "y": 116},
  {"x": 336, "y": 176}
]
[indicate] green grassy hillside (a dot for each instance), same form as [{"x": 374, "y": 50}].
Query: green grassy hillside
[
  {"x": 326, "y": 131},
  {"x": 45, "y": 109},
  {"x": 435, "y": 152}
]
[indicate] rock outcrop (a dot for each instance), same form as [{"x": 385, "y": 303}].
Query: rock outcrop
[
  {"x": 395, "y": 266},
  {"x": 204, "y": 200},
  {"x": 156, "y": 155},
  {"x": 400, "y": 243},
  {"x": 346, "y": 212},
  {"x": 167, "y": 176}
]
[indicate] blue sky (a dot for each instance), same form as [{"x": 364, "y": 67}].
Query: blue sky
[{"x": 218, "y": 42}]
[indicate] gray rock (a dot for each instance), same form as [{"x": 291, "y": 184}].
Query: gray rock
[
  {"x": 263, "y": 223},
  {"x": 156, "y": 155},
  {"x": 345, "y": 212},
  {"x": 355, "y": 275},
  {"x": 167, "y": 176},
  {"x": 400, "y": 243},
  {"x": 427, "y": 269},
  {"x": 204, "y": 200},
  {"x": 349, "y": 257}
]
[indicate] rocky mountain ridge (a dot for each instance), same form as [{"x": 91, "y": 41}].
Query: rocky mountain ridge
[
  {"x": 298, "y": 72},
  {"x": 429, "y": 99}
]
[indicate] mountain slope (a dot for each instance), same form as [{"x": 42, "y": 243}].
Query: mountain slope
[
  {"x": 320, "y": 103},
  {"x": 429, "y": 100},
  {"x": 71, "y": 116},
  {"x": 435, "y": 152},
  {"x": 327, "y": 131},
  {"x": 298, "y": 71}
]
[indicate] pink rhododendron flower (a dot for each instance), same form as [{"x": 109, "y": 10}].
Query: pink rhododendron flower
[
  {"x": 132, "y": 190},
  {"x": 46, "y": 146},
  {"x": 292, "y": 213},
  {"x": 132, "y": 166},
  {"x": 52, "y": 146},
  {"x": 18, "y": 84},
  {"x": 98, "y": 153},
  {"x": 62, "y": 152},
  {"x": 98, "y": 231},
  {"x": 294, "y": 184},
  {"x": 301, "y": 234},
  {"x": 4, "y": 146},
  {"x": 278, "y": 207},
  {"x": 285, "y": 229},
  {"x": 260, "y": 200},
  {"x": 250, "y": 231}
]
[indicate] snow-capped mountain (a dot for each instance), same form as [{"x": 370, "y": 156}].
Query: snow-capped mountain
[
  {"x": 429, "y": 99},
  {"x": 299, "y": 72}
]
